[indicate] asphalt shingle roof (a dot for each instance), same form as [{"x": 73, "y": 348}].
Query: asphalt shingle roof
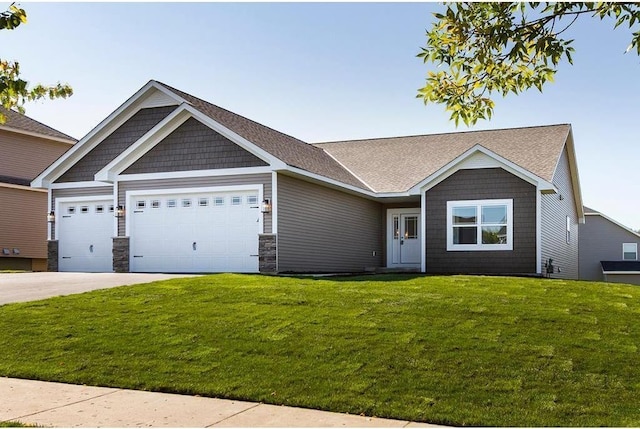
[
  {"x": 24, "y": 123},
  {"x": 290, "y": 150},
  {"x": 398, "y": 163}
]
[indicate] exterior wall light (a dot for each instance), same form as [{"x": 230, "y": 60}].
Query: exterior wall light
[
  {"x": 51, "y": 217},
  {"x": 266, "y": 206},
  {"x": 120, "y": 211}
]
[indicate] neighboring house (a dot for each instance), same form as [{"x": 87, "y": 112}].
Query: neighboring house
[
  {"x": 169, "y": 182},
  {"x": 27, "y": 147},
  {"x": 608, "y": 250}
]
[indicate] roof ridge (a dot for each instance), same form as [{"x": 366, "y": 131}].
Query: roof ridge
[{"x": 442, "y": 134}]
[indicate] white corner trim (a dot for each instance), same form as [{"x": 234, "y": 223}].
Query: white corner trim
[
  {"x": 539, "y": 231},
  {"x": 423, "y": 236},
  {"x": 96, "y": 135},
  {"x": 458, "y": 163},
  {"x": 274, "y": 204}
]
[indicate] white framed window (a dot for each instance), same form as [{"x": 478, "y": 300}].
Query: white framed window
[
  {"x": 630, "y": 251},
  {"x": 252, "y": 199},
  {"x": 84, "y": 209},
  {"x": 140, "y": 204},
  {"x": 71, "y": 210},
  {"x": 568, "y": 230},
  {"x": 480, "y": 225},
  {"x": 236, "y": 201},
  {"x": 203, "y": 202},
  {"x": 171, "y": 203},
  {"x": 99, "y": 209},
  {"x": 110, "y": 208},
  {"x": 186, "y": 202},
  {"x": 155, "y": 204},
  {"x": 218, "y": 201}
]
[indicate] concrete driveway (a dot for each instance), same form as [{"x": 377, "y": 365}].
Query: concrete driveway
[{"x": 22, "y": 287}]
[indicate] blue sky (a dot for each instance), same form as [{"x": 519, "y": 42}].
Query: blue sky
[{"x": 320, "y": 72}]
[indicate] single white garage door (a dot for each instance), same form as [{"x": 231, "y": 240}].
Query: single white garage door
[
  {"x": 194, "y": 232},
  {"x": 84, "y": 230}
]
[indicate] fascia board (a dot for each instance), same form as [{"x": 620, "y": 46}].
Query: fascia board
[
  {"x": 143, "y": 145},
  {"x": 39, "y": 135},
  {"x": 96, "y": 135},
  {"x": 575, "y": 177},
  {"x": 451, "y": 167}
]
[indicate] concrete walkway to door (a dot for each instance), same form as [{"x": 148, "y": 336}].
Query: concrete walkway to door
[{"x": 23, "y": 287}]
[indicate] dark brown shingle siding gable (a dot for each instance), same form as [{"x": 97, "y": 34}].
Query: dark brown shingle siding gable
[
  {"x": 117, "y": 142},
  {"x": 194, "y": 146}
]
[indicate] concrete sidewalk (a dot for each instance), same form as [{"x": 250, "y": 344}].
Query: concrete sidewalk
[{"x": 67, "y": 405}]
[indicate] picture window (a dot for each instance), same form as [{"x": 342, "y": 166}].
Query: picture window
[{"x": 479, "y": 225}]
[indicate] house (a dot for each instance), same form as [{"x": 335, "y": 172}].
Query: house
[
  {"x": 608, "y": 250},
  {"x": 169, "y": 182},
  {"x": 27, "y": 147}
]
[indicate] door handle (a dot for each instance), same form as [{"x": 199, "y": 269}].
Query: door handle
[
  {"x": 194, "y": 245},
  {"x": 91, "y": 248}
]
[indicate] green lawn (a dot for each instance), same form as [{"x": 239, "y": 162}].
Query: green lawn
[{"x": 455, "y": 350}]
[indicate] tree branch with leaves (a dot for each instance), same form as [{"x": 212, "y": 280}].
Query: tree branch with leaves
[
  {"x": 14, "y": 91},
  {"x": 482, "y": 48}
]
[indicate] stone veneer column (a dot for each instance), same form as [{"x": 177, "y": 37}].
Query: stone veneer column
[
  {"x": 121, "y": 254},
  {"x": 52, "y": 255},
  {"x": 267, "y": 257}
]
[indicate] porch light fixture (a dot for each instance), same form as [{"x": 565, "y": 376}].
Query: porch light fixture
[
  {"x": 51, "y": 217},
  {"x": 120, "y": 211},
  {"x": 265, "y": 207}
]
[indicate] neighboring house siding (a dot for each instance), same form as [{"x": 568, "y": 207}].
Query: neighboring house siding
[
  {"x": 113, "y": 145},
  {"x": 199, "y": 182},
  {"x": 480, "y": 184},
  {"x": 633, "y": 279},
  {"x": 601, "y": 240},
  {"x": 194, "y": 146},
  {"x": 325, "y": 230},
  {"x": 25, "y": 156},
  {"x": 554, "y": 211},
  {"x": 100, "y": 191},
  {"x": 24, "y": 223}
]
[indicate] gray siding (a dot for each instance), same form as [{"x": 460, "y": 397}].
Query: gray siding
[
  {"x": 633, "y": 279},
  {"x": 77, "y": 192},
  {"x": 196, "y": 182},
  {"x": 554, "y": 212},
  {"x": 325, "y": 230},
  {"x": 115, "y": 144},
  {"x": 194, "y": 146},
  {"x": 601, "y": 240},
  {"x": 490, "y": 183}
]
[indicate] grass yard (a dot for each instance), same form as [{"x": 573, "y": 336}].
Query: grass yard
[{"x": 460, "y": 350}]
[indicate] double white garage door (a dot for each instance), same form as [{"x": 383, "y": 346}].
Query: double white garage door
[{"x": 169, "y": 232}]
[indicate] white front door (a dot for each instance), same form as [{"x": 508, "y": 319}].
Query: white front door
[
  {"x": 194, "y": 232},
  {"x": 403, "y": 238},
  {"x": 84, "y": 229}
]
